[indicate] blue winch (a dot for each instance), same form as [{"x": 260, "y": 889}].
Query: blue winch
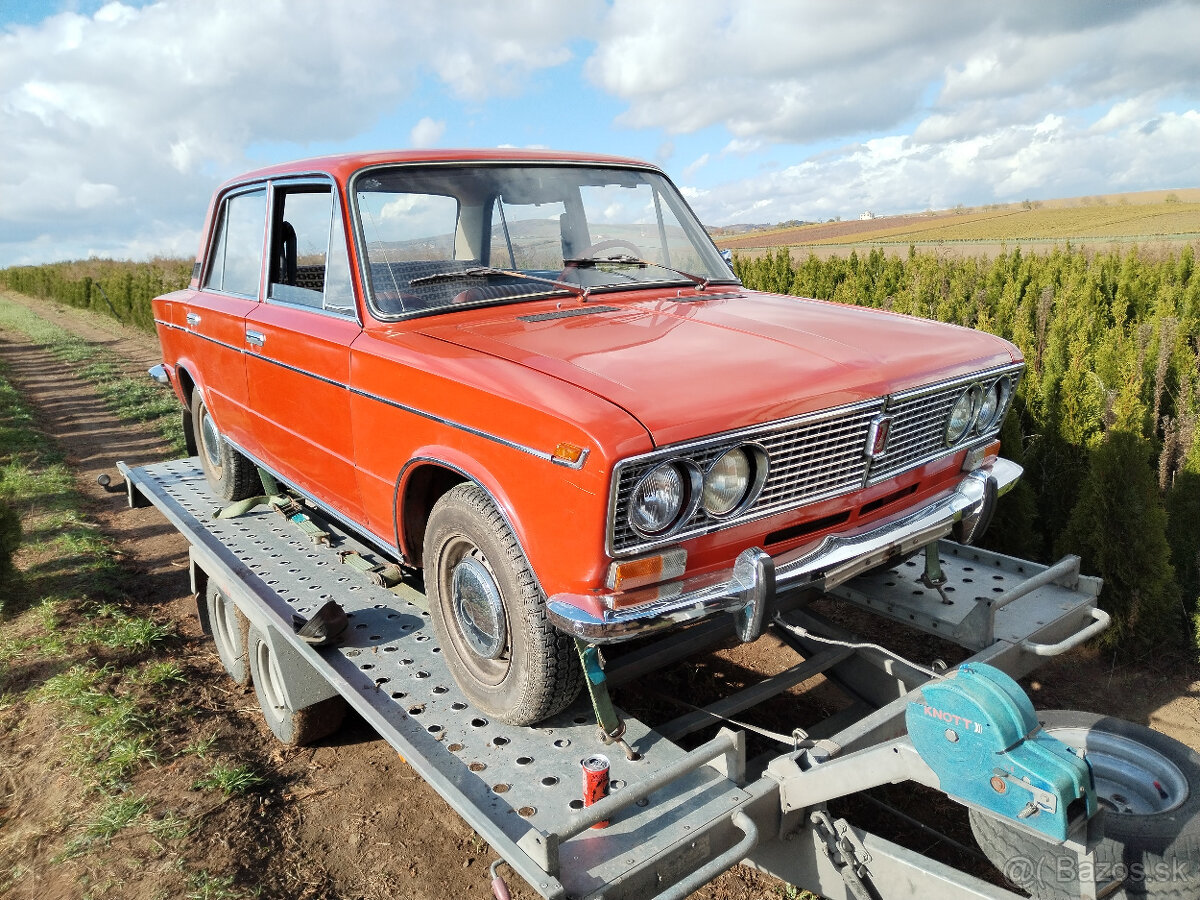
[{"x": 977, "y": 730}]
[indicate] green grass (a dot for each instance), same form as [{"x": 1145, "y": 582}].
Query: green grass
[
  {"x": 114, "y": 814},
  {"x": 130, "y": 399},
  {"x": 204, "y": 886},
  {"x": 229, "y": 779}
]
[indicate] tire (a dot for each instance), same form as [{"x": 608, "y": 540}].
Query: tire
[
  {"x": 502, "y": 651},
  {"x": 230, "y": 475},
  {"x": 294, "y": 727},
  {"x": 229, "y": 629},
  {"x": 1151, "y": 841}
]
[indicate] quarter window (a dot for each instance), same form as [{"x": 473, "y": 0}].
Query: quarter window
[{"x": 236, "y": 262}]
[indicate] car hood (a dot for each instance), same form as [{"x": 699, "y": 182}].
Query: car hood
[{"x": 701, "y": 364}]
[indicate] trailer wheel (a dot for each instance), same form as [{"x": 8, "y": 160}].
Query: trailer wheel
[
  {"x": 230, "y": 475},
  {"x": 229, "y": 627},
  {"x": 490, "y": 615},
  {"x": 1149, "y": 787},
  {"x": 294, "y": 727}
]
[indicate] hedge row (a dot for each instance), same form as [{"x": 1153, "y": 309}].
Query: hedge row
[
  {"x": 1105, "y": 419},
  {"x": 119, "y": 289}
]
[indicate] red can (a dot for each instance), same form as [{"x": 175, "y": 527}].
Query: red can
[{"x": 595, "y": 782}]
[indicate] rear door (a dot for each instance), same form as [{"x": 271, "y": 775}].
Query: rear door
[
  {"x": 214, "y": 317},
  {"x": 298, "y": 346}
]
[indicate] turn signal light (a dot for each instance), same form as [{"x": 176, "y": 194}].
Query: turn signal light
[{"x": 627, "y": 574}]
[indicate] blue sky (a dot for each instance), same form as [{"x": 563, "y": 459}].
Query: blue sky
[{"x": 118, "y": 119}]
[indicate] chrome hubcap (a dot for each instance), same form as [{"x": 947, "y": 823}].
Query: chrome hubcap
[
  {"x": 211, "y": 439},
  {"x": 1131, "y": 778},
  {"x": 478, "y": 608}
]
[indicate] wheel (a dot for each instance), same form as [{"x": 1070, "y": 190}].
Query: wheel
[
  {"x": 1149, "y": 787},
  {"x": 490, "y": 616},
  {"x": 294, "y": 727},
  {"x": 229, "y": 627},
  {"x": 230, "y": 475}
]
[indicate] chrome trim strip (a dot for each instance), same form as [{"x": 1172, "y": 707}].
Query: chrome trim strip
[
  {"x": 540, "y": 454},
  {"x": 836, "y": 559}
]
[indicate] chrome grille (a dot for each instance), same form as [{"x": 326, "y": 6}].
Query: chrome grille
[{"x": 811, "y": 458}]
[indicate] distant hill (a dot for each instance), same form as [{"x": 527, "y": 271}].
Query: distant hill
[{"x": 1151, "y": 217}]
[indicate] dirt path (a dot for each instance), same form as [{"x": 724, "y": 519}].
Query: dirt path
[{"x": 348, "y": 819}]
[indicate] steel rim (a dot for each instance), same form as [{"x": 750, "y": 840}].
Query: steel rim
[
  {"x": 269, "y": 682},
  {"x": 210, "y": 438},
  {"x": 492, "y": 670},
  {"x": 1131, "y": 777}
]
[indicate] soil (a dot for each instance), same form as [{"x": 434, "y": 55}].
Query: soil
[{"x": 346, "y": 818}]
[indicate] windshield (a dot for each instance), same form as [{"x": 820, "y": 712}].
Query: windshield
[{"x": 443, "y": 236}]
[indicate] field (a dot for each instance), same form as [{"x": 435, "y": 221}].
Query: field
[{"x": 1159, "y": 219}]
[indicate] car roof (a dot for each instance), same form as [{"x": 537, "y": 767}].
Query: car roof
[{"x": 342, "y": 166}]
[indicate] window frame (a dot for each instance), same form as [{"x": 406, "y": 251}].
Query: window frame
[{"x": 219, "y": 232}]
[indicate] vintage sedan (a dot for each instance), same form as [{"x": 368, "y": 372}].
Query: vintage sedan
[{"x": 533, "y": 378}]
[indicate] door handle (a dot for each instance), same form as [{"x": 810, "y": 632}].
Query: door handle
[
  {"x": 193, "y": 319},
  {"x": 255, "y": 338}
]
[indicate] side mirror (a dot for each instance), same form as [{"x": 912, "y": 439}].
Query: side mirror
[{"x": 727, "y": 255}]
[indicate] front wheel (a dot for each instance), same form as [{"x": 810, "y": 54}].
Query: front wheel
[
  {"x": 1149, "y": 787},
  {"x": 230, "y": 475},
  {"x": 490, "y": 615}
]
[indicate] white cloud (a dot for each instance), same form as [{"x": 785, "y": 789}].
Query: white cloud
[
  {"x": 116, "y": 127},
  {"x": 427, "y": 132}
]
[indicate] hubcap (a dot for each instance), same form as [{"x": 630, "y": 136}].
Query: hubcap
[
  {"x": 478, "y": 608},
  {"x": 211, "y": 439},
  {"x": 1131, "y": 778}
]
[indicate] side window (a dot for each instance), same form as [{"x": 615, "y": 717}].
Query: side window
[
  {"x": 309, "y": 264},
  {"x": 236, "y": 261}
]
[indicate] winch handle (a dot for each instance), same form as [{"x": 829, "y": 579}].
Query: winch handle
[{"x": 1101, "y": 620}]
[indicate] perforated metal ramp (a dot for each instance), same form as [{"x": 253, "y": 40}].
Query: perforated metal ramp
[{"x": 505, "y": 781}]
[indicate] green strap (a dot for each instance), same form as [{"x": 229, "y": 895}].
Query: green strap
[{"x": 597, "y": 684}]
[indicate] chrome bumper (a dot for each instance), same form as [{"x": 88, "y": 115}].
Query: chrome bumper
[{"x": 748, "y": 588}]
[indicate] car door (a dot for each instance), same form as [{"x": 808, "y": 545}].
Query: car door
[
  {"x": 214, "y": 317},
  {"x": 298, "y": 347}
]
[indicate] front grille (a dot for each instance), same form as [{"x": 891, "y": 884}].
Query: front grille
[{"x": 811, "y": 458}]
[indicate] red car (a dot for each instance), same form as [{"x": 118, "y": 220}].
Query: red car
[{"x": 533, "y": 376}]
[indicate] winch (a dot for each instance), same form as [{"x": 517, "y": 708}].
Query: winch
[{"x": 977, "y": 730}]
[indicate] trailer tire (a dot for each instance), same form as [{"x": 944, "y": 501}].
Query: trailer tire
[
  {"x": 1152, "y": 841},
  {"x": 294, "y": 727},
  {"x": 230, "y": 475},
  {"x": 229, "y": 629},
  {"x": 490, "y": 615}
]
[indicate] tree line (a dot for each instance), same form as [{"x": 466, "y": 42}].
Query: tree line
[{"x": 1105, "y": 420}]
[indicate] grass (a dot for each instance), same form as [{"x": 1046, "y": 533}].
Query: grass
[
  {"x": 229, "y": 779},
  {"x": 204, "y": 886},
  {"x": 130, "y": 399}
]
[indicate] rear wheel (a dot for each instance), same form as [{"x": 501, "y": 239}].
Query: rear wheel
[
  {"x": 229, "y": 628},
  {"x": 294, "y": 727},
  {"x": 490, "y": 616},
  {"x": 1149, "y": 787},
  {"x": 230, "y": 475}
]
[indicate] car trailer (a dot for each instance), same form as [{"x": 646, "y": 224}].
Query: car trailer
[{"x": 678, "y": 818}]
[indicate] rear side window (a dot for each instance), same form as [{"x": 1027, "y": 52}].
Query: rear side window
[
  {"x": 309, "y": 265},
  {"x": 236, "y": 261}
]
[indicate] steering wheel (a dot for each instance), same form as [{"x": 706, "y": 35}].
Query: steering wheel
[{"x": 591, "y": 251}]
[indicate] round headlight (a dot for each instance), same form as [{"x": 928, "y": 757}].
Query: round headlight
[
  {"x": 727, "y": 482},
  {"x": 658, "y": 499},
  {"x": 989, "y": 406},
  {"x": 962, "y": 414}
]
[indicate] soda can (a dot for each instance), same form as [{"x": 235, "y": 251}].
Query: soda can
[{"x": 595, "y": 782}]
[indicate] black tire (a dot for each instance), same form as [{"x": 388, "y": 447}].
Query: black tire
[
  {"x": 1151, "y": 841},
  {"x": 229, "y": 629},
  {"x": 230, "y": 475},
  {"x": 529, "y": 669},
  {"x": 294, "y": 727}
]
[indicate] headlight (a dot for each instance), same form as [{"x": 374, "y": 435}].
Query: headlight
[
  {"x": 659, "y": 498},
  {"x": 962, "y": 414},
  {"x": 989, "y": 405},
  {"x": 726, "y": 482}
]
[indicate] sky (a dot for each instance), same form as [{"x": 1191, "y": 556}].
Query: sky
[{"x": 118, "y": 119}]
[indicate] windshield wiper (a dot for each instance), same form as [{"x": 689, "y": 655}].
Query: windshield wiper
[
  {"x": 700, "y": 281},
  {"x": 488, "y": 271}
]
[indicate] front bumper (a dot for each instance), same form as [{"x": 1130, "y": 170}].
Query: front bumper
[{"x": 747, "y": 589}]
